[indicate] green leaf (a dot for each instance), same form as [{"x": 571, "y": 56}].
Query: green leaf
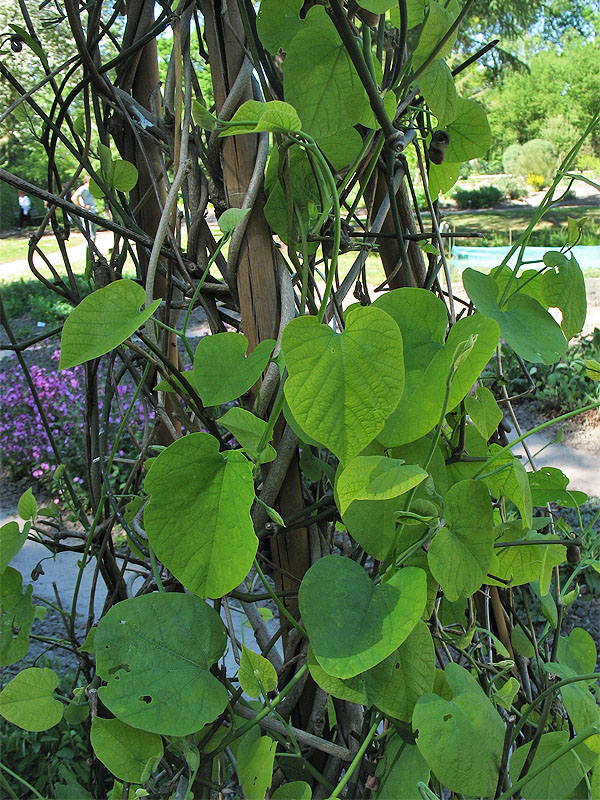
[
  {"x": 17, "y": 614},
  {"x": 395, "y": 685},
  {"x": 583, "y": 711},
  {"x": 405, "y": 767},
  {"x": 524, "y": 563},
  {"x": 105, "y": 156},
  {"x": 30, "y": 42},
  {"x": 442, "y": 177},
  {"x": 484, "y": 411},
  {"x": 27, "y": 506},
  {"x": 295, "y": 790},
  {"x": 511, "y": 481},
  {"x": 320, "y": 81},
  {"x": 577, "y": 651},
  {"x": 202, "y": 116},
  {"x": 563, "y": 287},
  {"x": 278, "y": 21},
  {"x": 436, "y": 84},
  {"x": 422, "y": 320},
  {"x": 278, "y": 117},
  {"x": 557, "y": 780},
  {"x": 549, "y": 485},
  {"x": 461, "y": 739},
  {"x": 12, "y": 540},
  {"x": 592, "y": 368},
  {"x": 248, "y": 429},
  {"x": 125, "y": 175},
  {"x": 256, "y": 674},
  {"x": 524, "y": 324},
  {"x": 222, "y": 371},
  {"x": 198, "y": 518},
  {"x": 352, "y": 689},
  {"x": 102, "y": 321},
  {"x": 255, "y": 767},
  {"x": 436, "y": 25},
  {"x": 521, "y": 642},
  {"x": 341, "y": 387},
  {"x": 376, "y": 478},
  {"x": 28, "y": 700},
  {"x": 128, "y": 753},
  {"x": 479, "y": 337},
  {"x": 416, "y": 13},
  {"x": 470, "y": 134},
  {"x": 573, "y": 228},
  {"x": 231, "y": 218},
  {"x": 353, "y": 624},
  {"x": 155, "y": 652},
  {"x": 342, "y": 148},
  {"x": 377, "y": 6},
  {"x": 460, "y": 554},
  {"x": 505, "y": 695}
]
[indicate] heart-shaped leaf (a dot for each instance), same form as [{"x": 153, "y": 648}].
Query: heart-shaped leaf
[
  {"x": 436, "y": 25},
  {"x": 128, "y": 753},
  {"x": 437, "y": 88},
  {"x": 341, "y": 387},
  {"x": 248, "y": 429},
  {"x": 17, "y": 614},
  {"x": 550, "y": 485},
  {"x": 353, "y": 624},
  {"x": 470, "y": 134},
  {"x": 376, "y": 478},
  {"x": 230, "y": 219},
  {"x": 102, "y": 321},
  {"x": 524, "y": 324},
  {"x": 460, "y": 739},
  {"x": 198, "y": 518},
  {"x": 28, "y": 700},
  {"x": 256, "y": 674},
  {"x": 155, "y": 652},
  {"x": 560, "y": 777},
  {"x": 563, "y": 287},
  {"x": 405, "y": 767},
  {"x": 460, "y": 554},
  {"x": 12, "y": 540},
  {"x": 523, "y": 564},
  {"x": 222, "y": 371},
  {"x": 484, "y": 411},
  {"x": 277, "y": 23}
]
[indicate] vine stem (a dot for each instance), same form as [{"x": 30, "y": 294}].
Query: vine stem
[
  {"x": 357, "y": 759},
  {"x": 22, "y": 780}
]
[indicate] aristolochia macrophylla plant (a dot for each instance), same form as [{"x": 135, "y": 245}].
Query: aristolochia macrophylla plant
[{"x": 338, "y": 464}]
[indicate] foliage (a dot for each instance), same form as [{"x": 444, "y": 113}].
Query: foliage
[
  {"x": 331, "y": 460},
  {"x": 534, "y": 160},
  {"x": 484, "y": 197},
  {"x": 29, "y": 298}
]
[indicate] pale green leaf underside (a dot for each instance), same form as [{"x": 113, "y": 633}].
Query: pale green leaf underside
[
  {"x": 437, "y": 88},
  {"x": 102, "y": 321},
  {"x": 470, "y": 134}
]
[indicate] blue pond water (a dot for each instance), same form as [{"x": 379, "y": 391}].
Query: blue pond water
[{"x": 489, "y": 257}]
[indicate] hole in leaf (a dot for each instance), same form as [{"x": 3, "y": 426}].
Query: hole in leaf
[
  {"x": 122, "y": 622},
  {"x": 146, "y": 698},
  {"x": 446, "y": 717},
  {"x": 397, "y": 665}
]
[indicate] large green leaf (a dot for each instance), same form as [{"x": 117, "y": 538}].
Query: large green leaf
[
  {"x": 522, "y": 564},
  {"x": 294, "y": 790},
  {"x": 422, "y": 320},
  {"x": 460, "y": 554},
  {"x": 395, "y": 684},
  {"x": 155, "y": 652},
  {"x": 583, "y": 711},
  {"x": 563, "y": 287},
  {"x": 416, "y": 13},
  {"x": 17, "y": 614},
  {"x": 341, "y": 148},
  {"x": 320, "y": 81},
  {"x": 28, "y": 700},
  {"x": 577, "y": 652},
  {"x": 277, "y": 22},
  {"x": 405, "y": 767},
  {"x": 341, "y": 387},
  {"x": 352, "y": 689},
  {"x": 557, "y": 780},
  {"x": 436, "y": 26},
  {"x": 353, "y": 624},
  {"x": 376, "y": 478},
  {"x": 222, "y": 370},
  {"x": 470, "y": 134},
  {"x": 198, "y": 518},
  {"x": 102, "y": 321},
  {"x": 460, "y": 739},
  {"x": 443, "y": 177},
  {"x": 12, "y": 540},
  {"x": 510, "y": 480},
  {"x": 486, "y": 335},
  {"x": 128, "y": 753},
  {"x": 524, "y": 324},
  {"x": 437, "y": 88},
  {"x": 274, "y": 116}
]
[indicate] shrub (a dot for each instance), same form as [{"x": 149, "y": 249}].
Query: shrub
[
  {"x": 561, "y": 133},
  {"x": 535, "y": 181},
  {"x": 485, "y": 197},
  {"x": 510, "y": 159},
  {"x": 539, "y": 157},
  {"x": 586, "y": 161},
  {"x": 511, "y": 189},
  {"x": 31, "y": 298}
]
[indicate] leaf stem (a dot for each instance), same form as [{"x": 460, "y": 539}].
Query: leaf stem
[{"x": 357, "y": 759}]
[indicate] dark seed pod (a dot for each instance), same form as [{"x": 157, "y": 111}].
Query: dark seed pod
[
  {"x": 437, "y": 148},
  {"x": 16, "y": 43},
  {"x": 573, "y": 554}
]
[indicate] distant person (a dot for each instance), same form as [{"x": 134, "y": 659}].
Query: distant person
[
  {"x": 83, "y": 198},
  {"x": 24, "y": 210}
]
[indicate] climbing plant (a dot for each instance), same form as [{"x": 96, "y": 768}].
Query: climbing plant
[{"x": 333, "y": 474}]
